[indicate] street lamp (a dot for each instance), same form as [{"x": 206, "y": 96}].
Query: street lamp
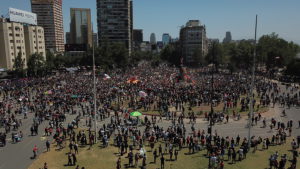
[
  {"x": 212, "y": 102},
  {"x": 95, "y": 91}
]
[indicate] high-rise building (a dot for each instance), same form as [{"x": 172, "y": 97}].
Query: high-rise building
[
  {"x": 115, "y": 21},
  {"x": 19, "y": 38},
  {"x": 192, "y": 38},
  {"x": 152, "y": 39},
  {"x": 227, "y": 38},
  {"x": 81, "y": 26},
  {"x": 137, "y": 35},
  {"x": 95, "y": 39},
  {"x": 166, "y": 39},
  {"x": 49, "y": 16},
  {"x": 137, "y": 38},
  {"x": 68, "y": 38}
]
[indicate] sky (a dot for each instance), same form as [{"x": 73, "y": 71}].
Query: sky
[{"x": 219, "y": 16}]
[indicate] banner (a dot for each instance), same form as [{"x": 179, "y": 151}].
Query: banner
[{"x": 16, "y": 15}]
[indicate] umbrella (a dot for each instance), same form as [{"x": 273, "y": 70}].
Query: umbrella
[
  {"x": 135, "y": 114},
  {"x": 74, "y": 96},
  {"x": 142, "y": 94}
]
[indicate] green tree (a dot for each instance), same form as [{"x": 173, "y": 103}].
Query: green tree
[
  {"x": 274, "y": 51},
  {"x": 198, "y": 59},
  {"x": 36, "y": 65},
  {"x": 19, "y": 64},
  {"x": 215, "y": 54}
]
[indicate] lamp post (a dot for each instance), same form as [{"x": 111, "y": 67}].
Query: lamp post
[
  {"x": 251, "y": 89},
  {"x": 95, "y": 91},
  {"x": 211, "y": 101}
]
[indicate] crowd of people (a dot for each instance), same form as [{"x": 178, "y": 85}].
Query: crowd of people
[{"x": 50, "y": 99}]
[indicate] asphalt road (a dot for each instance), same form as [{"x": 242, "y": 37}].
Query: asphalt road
[{"x": 18, "y": 155}]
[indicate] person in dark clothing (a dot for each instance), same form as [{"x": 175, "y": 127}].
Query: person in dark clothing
[
  {"x": 48, "y": 145},
  {"x": 162, "y": 162},
  {"x": 69, "y": 159},
  {"x": 155, "y": 155},
  {"x": 74, "y": 158}
]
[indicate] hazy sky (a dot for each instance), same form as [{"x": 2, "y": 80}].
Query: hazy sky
[{"x": 219, "y": 16}]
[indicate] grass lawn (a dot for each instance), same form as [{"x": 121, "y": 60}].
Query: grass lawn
[
  {"x": 105, "y": 158},
  {"x": 199, "y": 110}
]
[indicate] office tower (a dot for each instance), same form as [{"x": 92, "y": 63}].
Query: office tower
[
  {"x": 49, "y": 16},
  {"x": 68, "y": 38},
  {"x": 152, "y": 39},
  {"x": 137, "y": 38},
  {"x": 115, "y": 22},
  {"x": 192, "y": 38},
  {"x": 95, "y": 39},
  {"x": 227, "y": 37},
  {"x": 166, "y": 39},
  {"x": 81, "y": 27}
]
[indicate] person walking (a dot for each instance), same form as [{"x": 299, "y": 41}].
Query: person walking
[
  {"x": 35, "y": 150},
  {"x": 48, "y": 145}
]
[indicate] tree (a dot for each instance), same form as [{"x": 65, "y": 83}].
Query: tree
[
  {"x": 275, "y": 51},
  {"x": 36, "y": 65},
  {"x": 293, "y": 67},
  {"x": 198, "y": 58},
  {"x": 19, "y": 64},
  {"x": 215, "y": 54},
  {"x": 171, "y": 53},
  {"x": 50, "y": 61}
]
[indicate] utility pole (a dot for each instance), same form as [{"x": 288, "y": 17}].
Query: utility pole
[
  {"x": 95, "y": 91},
  {"x": 252, "y": 88},
  {"x": 211, "y": 101}
]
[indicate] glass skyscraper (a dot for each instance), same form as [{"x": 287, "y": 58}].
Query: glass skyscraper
[{"x": 81, "y": 27}]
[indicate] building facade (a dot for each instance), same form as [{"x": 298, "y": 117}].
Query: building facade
[
  {"x": 16, "y": 38},
  {"x": 49, "y": 16},
  {"x": 81, "y": 26},
  {"x": 166, "y": 39},
  {"x": 95, "y": 39},
  {"x": 34, "y": 40},
  {"x": 153, "y": 39},
  {"x": 115, "y": 22},
  {"x": 227, "y": 38},
  {"x": 192, "y": 38},
  {"x": 137, "y": 38}
]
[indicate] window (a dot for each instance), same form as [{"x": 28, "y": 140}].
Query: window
[{"x": 11, "y": 41}]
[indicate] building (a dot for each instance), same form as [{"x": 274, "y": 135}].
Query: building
[
  {"x": 18, "y": 38},
  {"x": 115, "y": 22},
  {"x": 137, "y": 38},
  {"x": 166, "y": 39},
  {"x": 68, "y": 40},
  {"x": 81, "y": 26},
  {"x": 153, "y": 39},
  {"x": 211, "y": 41},
  {"x": 34, "y": 40},
  {"x": 95, "y": 39},
  {"x": 49, "y": 16},
  {"x": 192, "y": 38},
  {"x": 146, "y": 46},
  {"x": 227, "y": 38}
]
